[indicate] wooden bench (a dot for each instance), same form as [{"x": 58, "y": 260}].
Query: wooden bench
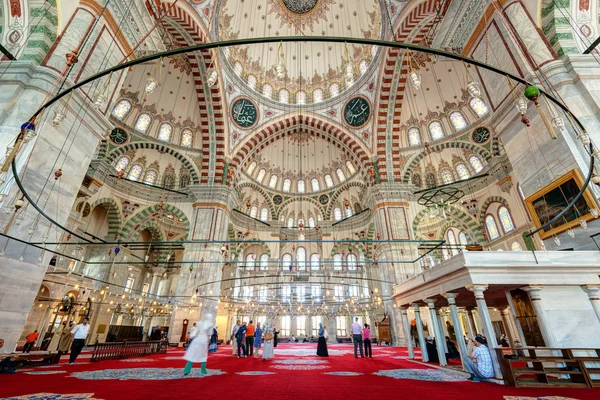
[
  {"x": 29, "y": 360},
  {"x": 542, "y": 367}
]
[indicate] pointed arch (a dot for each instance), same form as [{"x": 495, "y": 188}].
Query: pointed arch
[
  {"x": 138, "y": 219},
  {"x": 114, "y": 214}
]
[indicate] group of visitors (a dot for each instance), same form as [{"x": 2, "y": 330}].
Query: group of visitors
[
  {"x": 246, "y": 340},
  {"x": 361, "y": 336}
]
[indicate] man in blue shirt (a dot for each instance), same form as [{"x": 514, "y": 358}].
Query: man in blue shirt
[{"x": 239, "y": 336}]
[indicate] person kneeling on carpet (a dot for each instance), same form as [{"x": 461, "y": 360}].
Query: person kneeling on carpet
[
  {"x": 197, "y": 351},
  {"x": 7, "y": 359},
  {"x": 479, "y": 361}
]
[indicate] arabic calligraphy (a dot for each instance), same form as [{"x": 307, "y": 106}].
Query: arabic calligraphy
[
  {"x": 357, "y": 112},
  {"x": 244, "y": 113}
]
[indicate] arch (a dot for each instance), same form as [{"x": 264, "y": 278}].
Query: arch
[
  {"x": 136, "y": 220},
  {"x": 243, "y": 246},
  {"x": 153, "y": 228},
  {"x": 486, "y": 204},
  {"x": 334, "y": 196},
  {"x": 114, "y": 214},
  {"x": 460, "y": 220},
  {"x": 266, "y": 196}
]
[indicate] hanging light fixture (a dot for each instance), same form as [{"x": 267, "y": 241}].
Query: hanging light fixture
[
  {"x": 58, "y": 118},
  {"x": 521, "y": 105},
  {"x": 280, "y": 69},
  {"x": 152, "y": 83},
  {"x": 473, "y": 89},
  {"x": 213, "y": 75}
]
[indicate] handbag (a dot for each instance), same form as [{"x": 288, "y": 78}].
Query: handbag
[{"x": 268, "y": 336}]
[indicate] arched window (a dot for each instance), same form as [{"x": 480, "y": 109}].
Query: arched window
[
  {"x": 267, "y": 90},
  {"x": 476, "y": 163},
  {"x": 261, "y": 175},
  {"x": 337, "y": 214},
  {"x": 284, "y": 96},
  {"x": 169, "y": 181},
  {"x": 452, "y": 241},
  {"x": 122, "y": 109},
  {"x": 273, "y": 181},
  {"x": 264, "y": 214},
  {"x": 301, "y": 97},
  {"x": 187, "y": 137},
  {"x": 253, "y": 211},
  {"x": 252, "y": 81},
  {"x": 435, "y": 130},
  {"x": 286, "y": 261},
  {"x": 264, "y": 262},
  {"x": 363, "y": 67},
  {"x": 311, "y": 222},
  {"x": 301, "y": 186},
  {"x": 290, "y": 222},
  {"x": 301, "y": 258},
  {"x": 315, "y": 262},
  {"x": 341, "y": 175},
  {"x": 150, "y": 177},
  {"x": 316, "y": 186},
  {"x": 164, "y": 132},
  {"x": 238, "y": 68},
  {"x": 416, "y": 180},
  {"x": 300, "y": 222},
  {"x": 478, "y": 106},
  {"x": 184, "y": 181},
  {"x": 317, "y": 96},
  {"x": 135, "y": 172},
  {"x": 337, "y": 262},
  {"x": 492, "y": 228},
  {"x": 287, "y": 184},
  {"x": 505, "y": 219},
  {"x": 143, "y": 123},
  {"x": 122, "y": 164},
  {"x": 462, "y": 171},
  {"x": 462, "y": 239},
  {"x": 516, "y": 246},
  {"x": 348, "y": 211},
  {"x": 430, "y": 180},
  {"x": 329, "y": 181},
  {"x": 250, "y": 262},
  {"x": 447, "y": 176},
  {"x": 251, "y": 168},
  {"x": 351, "y": 262},
  {"x": 334, "y": 90},
  {"x": 458, "y": 121},
  {"x": 414, "y": 136},
  {"x": 350, "y": 167}
]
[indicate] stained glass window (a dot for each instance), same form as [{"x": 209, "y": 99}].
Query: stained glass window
[
  {"x": 264, "y": 262},
  {"x": 363, "y": 67},
  {"x": 122, "y": 164},
  {"x": 311, "y": 222},
  {"x": 267, "y": 90},
  {"x": 238, "y": 68},
  {"x": 290, "y": 222},
  {"x": 516, "y": 246},
  {"x": 352, "y": 262},
  {"x": 458, "y": 121},
  {"x": 348, "y": 212},
  {"x": 505, "y": 219},
  {"x": 462, "y": 171},
  {"x": 329, "y": 181},
  {"x": 478, "y": 106},
  {"x": 350, "y": 167},
  {"x": 250, "y": 262},
  {"x": 462, "y": 239},
  {"x": 337, "y": 214},
  {"x": 287, "y": 184},
  {"x": 150, "y": 177},
  {"x": 264, "y": 214},
  {"x": 447, "y": 176},
  {"x": 273, "y": 181},
  {"x": 314, "y": 262},
  {"x": 337, "y": 262},
  {"x": 317, "y": 96},
  {"x": 251, "y": 168},
  {"x": 334, "y": 90},
  {"x": 135, "y": 172},
  {"x": 252, "y": 81},
  {"x": 416, "y": 180},
  {"x": 435, "y": 130},
  {"x": 261, "y": 175},
  {"x": 301, "y": 258},
  {"x": 186, "y": 137},
  {"x": 341, "y": 175},
  {"x": 414, "y": 136},
  {"x": 492, "y": 228},
  {"x": 143, "y": 122},
  {"x": 164, "y": 133},
  {"x": 301, "y": 97},
  {"x": 316, "y": 186},
  {"x": 476, "y": 163},
  {"x": 122, "y": 109},
  {"x": 430, "y": 180},
  {"x": 253, "y": 211},
  {"x": 301, "y": 186},
  {"x": 284, "y": 96}
]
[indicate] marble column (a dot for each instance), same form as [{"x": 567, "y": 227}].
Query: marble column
[
  {"x": 508, "y": 326},
  {"x": 458, "y": 331},
  {"x": 542, "y": 318},
  {"x": 424, "y": 354},
  {"x": 442, "y": 323},
  {"x": 437, "y": 329},
  {"x": 468, "y": 326},
  {"x": 593, "y": 292},
  {"x": 156, "y": 276},
  {"x": 405, "y": 323},
  {"x": 488, "y": 329},
  {"x": 472, "y": 325}
]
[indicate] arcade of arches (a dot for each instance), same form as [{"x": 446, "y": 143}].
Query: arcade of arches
[{"x": 299, "y": 184}]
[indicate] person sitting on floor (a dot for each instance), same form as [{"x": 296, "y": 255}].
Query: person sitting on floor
[
  {"x": 453, "y": 353},
  {"x": 432, "y": 350},
  {"x": 479, "y": 362},
  {"x": 7, "y": 359}
]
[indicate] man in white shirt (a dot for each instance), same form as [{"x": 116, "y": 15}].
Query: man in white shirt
[
  {"x": 357, "y": 337},
  {"x": 80, "y": 333}
]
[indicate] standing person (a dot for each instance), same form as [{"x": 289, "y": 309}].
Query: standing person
[
  {"x": 357, "y": 337},
  {"x": 367, "y": 341},
  {"x": 431, "y": 347},
  {"x": 30, "y": 341},
  {"x": 479, "y": 361},
  {"x": 322, "y": 343},
  {"x": 258, "y": 333},
  {"x": 80, "y": 333},
  {"x": 65, "y": 339},
  {"x": 250, "y": 338},
  {"x": 240, "y": 337},
  {"x": 233, "y": 339},
  {"x": 268, "y": 351},
  {"x": 197, "y": 351},
  {"x": 275, "y": 336}
]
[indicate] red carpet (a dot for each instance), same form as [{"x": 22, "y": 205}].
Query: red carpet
[{"x": 294, "y": 373}]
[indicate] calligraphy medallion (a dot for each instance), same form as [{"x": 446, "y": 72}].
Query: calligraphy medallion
[
  {"x": 277, "y": 199},
  {"x": 118, "y": 136},
  {"x": 480, "y": 135},
  {"x": 244, "y": 113},
  {"x": 300, "y": 6},
  {"x": 357, "y": 112}
]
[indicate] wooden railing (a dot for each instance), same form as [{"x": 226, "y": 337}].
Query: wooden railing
[
  {"x": 117, "y": 350},
  {"x": 543, "y": 367}
]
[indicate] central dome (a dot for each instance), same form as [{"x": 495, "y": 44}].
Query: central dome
[{"x": 300, "y": 6}]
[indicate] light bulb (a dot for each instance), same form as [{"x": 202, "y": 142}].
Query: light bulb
[
  {"x": 100, "y": 100},
  {"x": 415, "y": 79},
  {"x": 147, "y": 258},
  {"x": 30, "y": 230},
  {"x": 473, "y": 89},
  {"x": 557, "y": 240},
  {"x": 21, "y": 258},
  {"x": 521, "y": 105},
  {"x": 585, "y": 138},
  {"x": 583, "y": 223},
  {"x": 58, "y": 118},
  {"x": 151, "y": 85},
  {"x": 213, "y": 75},
  {"x": 571, "y": 233},
  {"x": 558, "y": 123},
  {"x": 280, "y": 71},
  {"x": 594, "y": 212}
]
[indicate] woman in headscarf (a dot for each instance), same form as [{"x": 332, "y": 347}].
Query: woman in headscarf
[
  {"x": 258, "y": 334},
  {"x": 197, "y": 351},
  {"x": 322, "y": 344},
  {"x": 268, "y": 351}
]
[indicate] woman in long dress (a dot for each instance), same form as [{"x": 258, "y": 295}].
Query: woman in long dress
[
  {"x": 268, "y": 351},
  {"x": 197, "y": 351},
  {"x": 322, "y": 344},
  {"x": 66, "y": 339},
  {"x": 258, "y": 334}
]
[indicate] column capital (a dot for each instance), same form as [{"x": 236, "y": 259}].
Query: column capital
[
  {"x": 451, "y": 297},
  {"x": 505, "y": 311},
  {"x": 534, "y": 292},
  {"x": 415, "y": 306},
  {"x": 477, "y": 290},
  {"x": 403, "y": 309},
  {"x": 593, "y": 291},
  {"x": 430, "y": 303}
]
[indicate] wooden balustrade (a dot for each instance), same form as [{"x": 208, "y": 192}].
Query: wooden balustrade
[{"x": 117, "y": 350}]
